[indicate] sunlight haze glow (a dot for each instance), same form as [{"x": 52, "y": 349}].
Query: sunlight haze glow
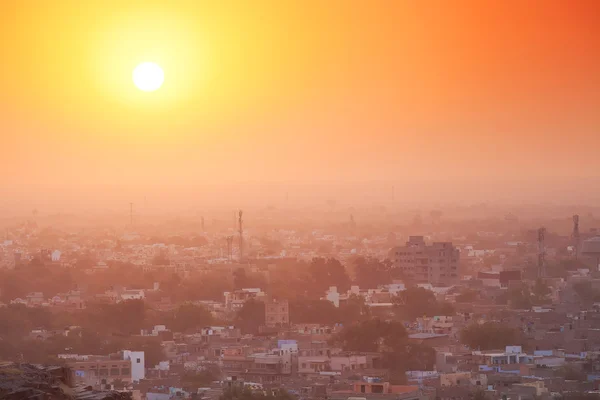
[{"x": 148, "y": 76}]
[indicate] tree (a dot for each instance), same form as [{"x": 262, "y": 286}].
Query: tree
[
  {"x": 490, "y": 335},
  {"x": 370, "y": 272},
  {"x": 326, "y": 272},
  {"x": 389, "y": 338},
  {"x": 195, "y": 380},
  {"x": 586, "y": 292},
  {"x": 308, "y": 311},
  {"x": 540, "y": 292},
  {"x": 240, "y": 279},
  {"x": 467, "y": 296},
  {"x": 372, "y": 336},
  {"x": 520, "y": 298},
  {"x": 189, "y": 317},
  {"x": 251, "y": 316},
  {"x": 479, "y": 395},
  {"x": 417, "y": 302},
  {"x": 353, "y": 310}
]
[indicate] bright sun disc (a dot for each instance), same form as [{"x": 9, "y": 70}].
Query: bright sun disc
[{"x": 148, "y": 76}]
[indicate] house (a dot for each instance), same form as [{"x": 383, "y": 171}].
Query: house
[{"x": 378, "y": 390}]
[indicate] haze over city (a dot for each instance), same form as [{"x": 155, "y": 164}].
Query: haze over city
[
  {"x": 502, "y": 96},
  {"x": 300, "y": 200}
]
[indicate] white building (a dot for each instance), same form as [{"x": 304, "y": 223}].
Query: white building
[{"x": 138, "y": 371}]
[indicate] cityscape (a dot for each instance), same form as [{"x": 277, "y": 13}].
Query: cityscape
[{"x": 300, "y": 200}]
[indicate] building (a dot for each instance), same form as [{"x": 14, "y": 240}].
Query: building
[
  {"x": 235, "y": 300},
  {"x": 101, "y": 370},
  {"x": 267, "y": 366},
  {"x": 136, "y": 358},
  {"x": 378, "y": 390},
  {"x": 437, "y": 263},
  {"x": 277, "y": 313}
]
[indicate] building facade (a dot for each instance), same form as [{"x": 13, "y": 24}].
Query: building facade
[
  {"x": 277, "y": 313},
  {"x": 437, "y": 263}
]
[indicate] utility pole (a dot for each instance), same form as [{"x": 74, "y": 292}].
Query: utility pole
[
  {"x": 576, "y": 234},
  {"x": 241, "y": 236}
]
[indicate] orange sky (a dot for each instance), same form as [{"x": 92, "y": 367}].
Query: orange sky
[{"x": 313, "y": 91}]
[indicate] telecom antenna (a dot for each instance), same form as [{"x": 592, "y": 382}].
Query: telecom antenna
[
  {"x": 541, "y": 253},
  {"x": 576, "y": 234},
  {"x": 241, "y": 235},
  {"x": 229, "y": 247}
]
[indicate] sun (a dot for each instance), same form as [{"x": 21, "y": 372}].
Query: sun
[{"x": 148, "y": 76}]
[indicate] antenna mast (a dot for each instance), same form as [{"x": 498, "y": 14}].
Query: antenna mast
[
  {"x": 576, "y": 234},
  {"x": 229, "y": 248},
  {"x": 541, "y": 253},
  {"x": 241, "y": 235}
]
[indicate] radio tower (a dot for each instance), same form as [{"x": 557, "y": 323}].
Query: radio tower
[
  {"x": 576, "y": 234},
  {"x": 241, "y": 236},
  {"x": 229, "y": 248},
  {"x": 541, "y": 253}
]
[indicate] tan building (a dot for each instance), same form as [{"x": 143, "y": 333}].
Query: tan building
[
  {"x": 277, "y": 313},
  {"x": 95, "y": 371},
  {"x": 437, "y": 263}
]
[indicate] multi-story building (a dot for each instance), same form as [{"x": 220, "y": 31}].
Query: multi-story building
[
  {"x": 269, "y": 366},
  {"x": 437, "y": 263},
  {"x": 235, "y": 300},
  {"x": 277, "y": 313},
  {"x": 98, "y": 370}
]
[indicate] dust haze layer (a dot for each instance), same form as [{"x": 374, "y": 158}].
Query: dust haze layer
[{"x": 466, "y": 101}]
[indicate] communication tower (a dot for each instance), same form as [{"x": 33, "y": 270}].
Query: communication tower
[{"x": 541, "y": 253}]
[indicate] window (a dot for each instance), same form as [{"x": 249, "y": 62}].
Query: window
[
  {"x": 303, "y": 365},
  {"x": 114, "y": 371},
  {"x": 137, "y": 360},
  {"x": 377, "y": 389},
  {"x": 103, "y": 372},
  {"x": 125, "y": 371}
]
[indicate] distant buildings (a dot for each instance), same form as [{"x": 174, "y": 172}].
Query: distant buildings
[
  {"x": 437, "y": 263},
  {"x": 277, "y": 313},
  {"x": 235, "y": 300}
]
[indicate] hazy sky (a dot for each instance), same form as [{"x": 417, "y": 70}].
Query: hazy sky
[{"x": 310, "y": 91}]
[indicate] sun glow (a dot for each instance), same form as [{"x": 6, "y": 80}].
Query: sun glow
[{"x": 148, "y": 76}]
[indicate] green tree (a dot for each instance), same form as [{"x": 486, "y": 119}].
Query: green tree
[
  {"x": 467, "y": 296},
  {"x": 326, "y": 272},
  {"x": 540, "y": 292},
  {"x": 417, "y": 302},
  {"x": 353, "y": 310},
  {"x": 306, "y": 311},
  {"x": 251, "y": 316},
  {"x": 189, "y": 317},
  {"x": 370, "y": 272},
  {"x": 391, "y": 340},
  {"x": 520, "y": 298},
  {"x": 490, "y": 335}
]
